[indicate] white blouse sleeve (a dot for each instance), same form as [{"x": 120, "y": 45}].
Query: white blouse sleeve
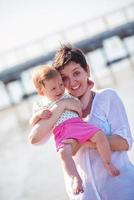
[
  {"x": 117, "y": 117},
  {"x": 112, "y": 110}
]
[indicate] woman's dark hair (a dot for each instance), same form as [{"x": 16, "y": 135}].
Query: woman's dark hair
[{"x": 67, "y": 54}]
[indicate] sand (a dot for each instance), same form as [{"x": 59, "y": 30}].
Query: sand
[{"x": 34, "y": 173}]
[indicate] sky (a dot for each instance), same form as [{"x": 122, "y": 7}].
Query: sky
[
  {"x": 25, "y": 20},
  {"x": 22, "y": 21}
]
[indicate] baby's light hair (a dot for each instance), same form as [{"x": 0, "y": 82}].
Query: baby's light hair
[{"x": 41, "y": 74}]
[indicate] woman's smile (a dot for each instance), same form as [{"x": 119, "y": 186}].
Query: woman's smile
[{"x": 75, "y": 87}]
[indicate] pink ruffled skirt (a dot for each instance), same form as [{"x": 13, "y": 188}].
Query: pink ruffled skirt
[{"x": 74, "y": 128}]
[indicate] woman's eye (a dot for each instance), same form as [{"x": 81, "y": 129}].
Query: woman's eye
[{"x": 76, "y": 73}]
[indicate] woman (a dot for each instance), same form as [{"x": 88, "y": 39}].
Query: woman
[{"x": 105, "y": 110}]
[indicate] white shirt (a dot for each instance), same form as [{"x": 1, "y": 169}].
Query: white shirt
[
  {"x": 107, "y": 113},
  {"x": 67, "y": 114}
]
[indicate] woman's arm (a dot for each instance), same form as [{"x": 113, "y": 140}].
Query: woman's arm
[
  {"x": 110, "y": 108},
  {"x": 34, "y": 119},
  {"x": 121, "y": 138},
  {"x": 118, "y": 143},
  {"x": 42, "y": 129}
]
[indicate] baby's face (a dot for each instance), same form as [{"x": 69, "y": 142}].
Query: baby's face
[{"x": 54, "y": 88}]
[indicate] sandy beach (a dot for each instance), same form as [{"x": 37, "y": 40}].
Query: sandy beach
[{"x": 33, "y": 172}]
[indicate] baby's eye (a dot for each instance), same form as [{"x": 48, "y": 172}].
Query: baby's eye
[{"x": 64, "y": 79}]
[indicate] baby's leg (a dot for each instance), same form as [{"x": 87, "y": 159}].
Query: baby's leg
[
  {"x": 105, "y": 152},
  {"x": 70, "y": 168},
  {"x": 75, "y": 145}
]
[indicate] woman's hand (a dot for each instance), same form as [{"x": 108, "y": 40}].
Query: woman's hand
[
  {"x": 76, "y": 145},
  {"x": 71, "y": 104},
  {"x": 90, "y": 144},
  {"x": 118, "y": 143}
]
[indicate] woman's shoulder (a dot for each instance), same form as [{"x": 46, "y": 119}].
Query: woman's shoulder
[
  {"x": 103, "y": 101},
  {"x": 105, "y": 97},
  {"x": 106, "y": 93}
]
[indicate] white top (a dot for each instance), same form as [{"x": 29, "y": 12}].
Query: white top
[
  {"x": 107, "y": 113},
  {"x": 67, "y": 114}
]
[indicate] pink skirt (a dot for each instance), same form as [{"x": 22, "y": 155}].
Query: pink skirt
[{"x": 74, "y": 128}]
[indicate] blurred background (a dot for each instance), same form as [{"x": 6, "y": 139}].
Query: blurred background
[{"x": 31, "y": 31}]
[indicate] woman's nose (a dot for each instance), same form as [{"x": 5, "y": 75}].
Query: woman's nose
[{"x": 71, "y": 81}]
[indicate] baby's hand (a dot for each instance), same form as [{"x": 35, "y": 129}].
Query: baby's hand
[
  {"x": 40, "y": 114},
  {"x": 44, "y": 114}
]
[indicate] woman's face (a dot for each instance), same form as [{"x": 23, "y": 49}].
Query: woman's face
[{"x": 75, "y": 79}]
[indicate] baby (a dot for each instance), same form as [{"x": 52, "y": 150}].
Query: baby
[{"x": 48, "y": 83}]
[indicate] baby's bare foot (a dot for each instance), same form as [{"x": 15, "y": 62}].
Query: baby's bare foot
[
  {"x": 77, "y": 185},
  {"x": 112, "y": 170}
]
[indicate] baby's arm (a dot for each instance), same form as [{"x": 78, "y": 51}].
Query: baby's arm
[{"x": 42, "y": 129}]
